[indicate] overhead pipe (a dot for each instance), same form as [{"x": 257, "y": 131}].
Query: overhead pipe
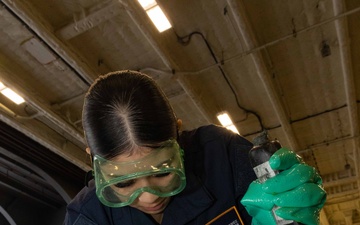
[
  {"x": 43, "y": 31},
  {"x": 7, "y": 216},
  {"x": 42, "y": 108},
  {"x": 73, "y": 157},
  {"x": 264, "y": 46},
  {"x": 44, "y": 142},
  {"x": 350, "y": 199},
  {"x": 250, "y": 43},
  {"x": 341, "y": 139},
  {"x": 340, "y": 181},
  {"x": 346, "y": 66},
  {"x": 27, "y": 195},
  {"x": 40, "y": 172},
  {"x": 36, "y": 185},
  {"x": 323, "y": 218},
  {"x": 349, "y": 81}
]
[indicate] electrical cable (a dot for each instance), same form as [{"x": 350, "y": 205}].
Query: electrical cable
[{"x": 185, "y": 40}]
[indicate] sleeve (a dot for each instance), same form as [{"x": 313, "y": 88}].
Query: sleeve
[{"x": 243, "y": 172}]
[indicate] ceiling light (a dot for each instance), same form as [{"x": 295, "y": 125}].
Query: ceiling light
[
  {"x": 17, "y": 99},
  {"x": 147, "y": 4},
  {"x": 156, "y": 14},
  {"x": 226, "y": 121}
]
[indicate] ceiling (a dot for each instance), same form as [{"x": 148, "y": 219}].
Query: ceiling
[{"x": 291, "y": 67}]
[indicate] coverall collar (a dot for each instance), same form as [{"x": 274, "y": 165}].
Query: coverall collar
[{"x": 189, "y": 204}]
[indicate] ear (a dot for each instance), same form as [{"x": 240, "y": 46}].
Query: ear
[
  {"x": 179, "y": 124},
  {"x": 89, "y": 153}
]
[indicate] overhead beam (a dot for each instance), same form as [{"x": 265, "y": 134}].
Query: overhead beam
[
  {"x": 9, "y": 78},
  {"x": 250, "y": 42},
  {"x": 333, "y": 180},
  {"x": 93, "y": 17},
  {"x": 323, "y": 218},
  {"x": 44, "y": 31},
  {"x": 130, "y": 9}
]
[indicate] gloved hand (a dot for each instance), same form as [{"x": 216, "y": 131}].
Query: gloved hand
[{"x": 297, "y": 190}]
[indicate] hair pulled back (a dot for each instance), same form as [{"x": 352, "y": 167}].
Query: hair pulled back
[{"x": 123, "y": 110}]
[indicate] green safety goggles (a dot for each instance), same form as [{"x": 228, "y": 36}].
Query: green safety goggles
[{"x": 161, "y": 173}]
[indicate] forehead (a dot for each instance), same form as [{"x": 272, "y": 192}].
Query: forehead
[
  {"x": 145, "y": 155},
  {"x": 134, "y": 155},
  {"x": 147, "y": 159}
]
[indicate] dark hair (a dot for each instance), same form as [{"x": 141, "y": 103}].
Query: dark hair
[{"x": 126, "y": 109}]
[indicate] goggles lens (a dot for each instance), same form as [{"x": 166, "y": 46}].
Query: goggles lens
[{"x": 161, "y": 173}]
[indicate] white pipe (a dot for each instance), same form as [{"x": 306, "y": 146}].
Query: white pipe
[
  {"x": 350, "y": 90},
  {"x": 7, "y": 216},
  {"x": 346, "y": 66},
  {"x": 27, "y": 195},
  {"x": 45, "y": 142},
  {"x": 40, "y": 172}
]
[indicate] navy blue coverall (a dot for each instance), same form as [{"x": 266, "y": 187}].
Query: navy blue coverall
[{"x": 218, "y": 174}]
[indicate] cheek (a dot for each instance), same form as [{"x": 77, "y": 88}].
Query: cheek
[
  {"x": 135, "y": 203},
  {"x": 162, "y": 181}
]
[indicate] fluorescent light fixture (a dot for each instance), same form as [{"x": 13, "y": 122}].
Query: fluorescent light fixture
[
  {"x": 17, "y": 99},
  {"x": 233, "y": 129},
  {"x": 156, "y": 14},
  {"x": 158, "y": 18},
  {"x": 226, "y": 121},
  {"x": 147, "y": 4}
]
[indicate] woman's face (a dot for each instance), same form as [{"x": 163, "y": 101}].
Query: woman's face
[{"x": 145, "y": 202}]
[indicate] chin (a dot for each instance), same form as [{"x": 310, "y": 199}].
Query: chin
[{"x": 153, "y": 209}]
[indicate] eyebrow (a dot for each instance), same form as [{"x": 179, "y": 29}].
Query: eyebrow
[
  {"x": 158, "y": 165},
  {"x": 165, "y": 161}
]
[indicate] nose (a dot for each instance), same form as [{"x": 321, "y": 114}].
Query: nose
[{"x": 147, "y": 197}]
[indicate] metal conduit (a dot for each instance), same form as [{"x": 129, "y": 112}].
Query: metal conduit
[
  {"x": 7, "y": 216},
  {"x": 346, "y": 64},
  {"x": 40, "y": 172}
]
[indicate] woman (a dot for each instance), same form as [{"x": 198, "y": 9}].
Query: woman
[{"x": 147, "y": 172}]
